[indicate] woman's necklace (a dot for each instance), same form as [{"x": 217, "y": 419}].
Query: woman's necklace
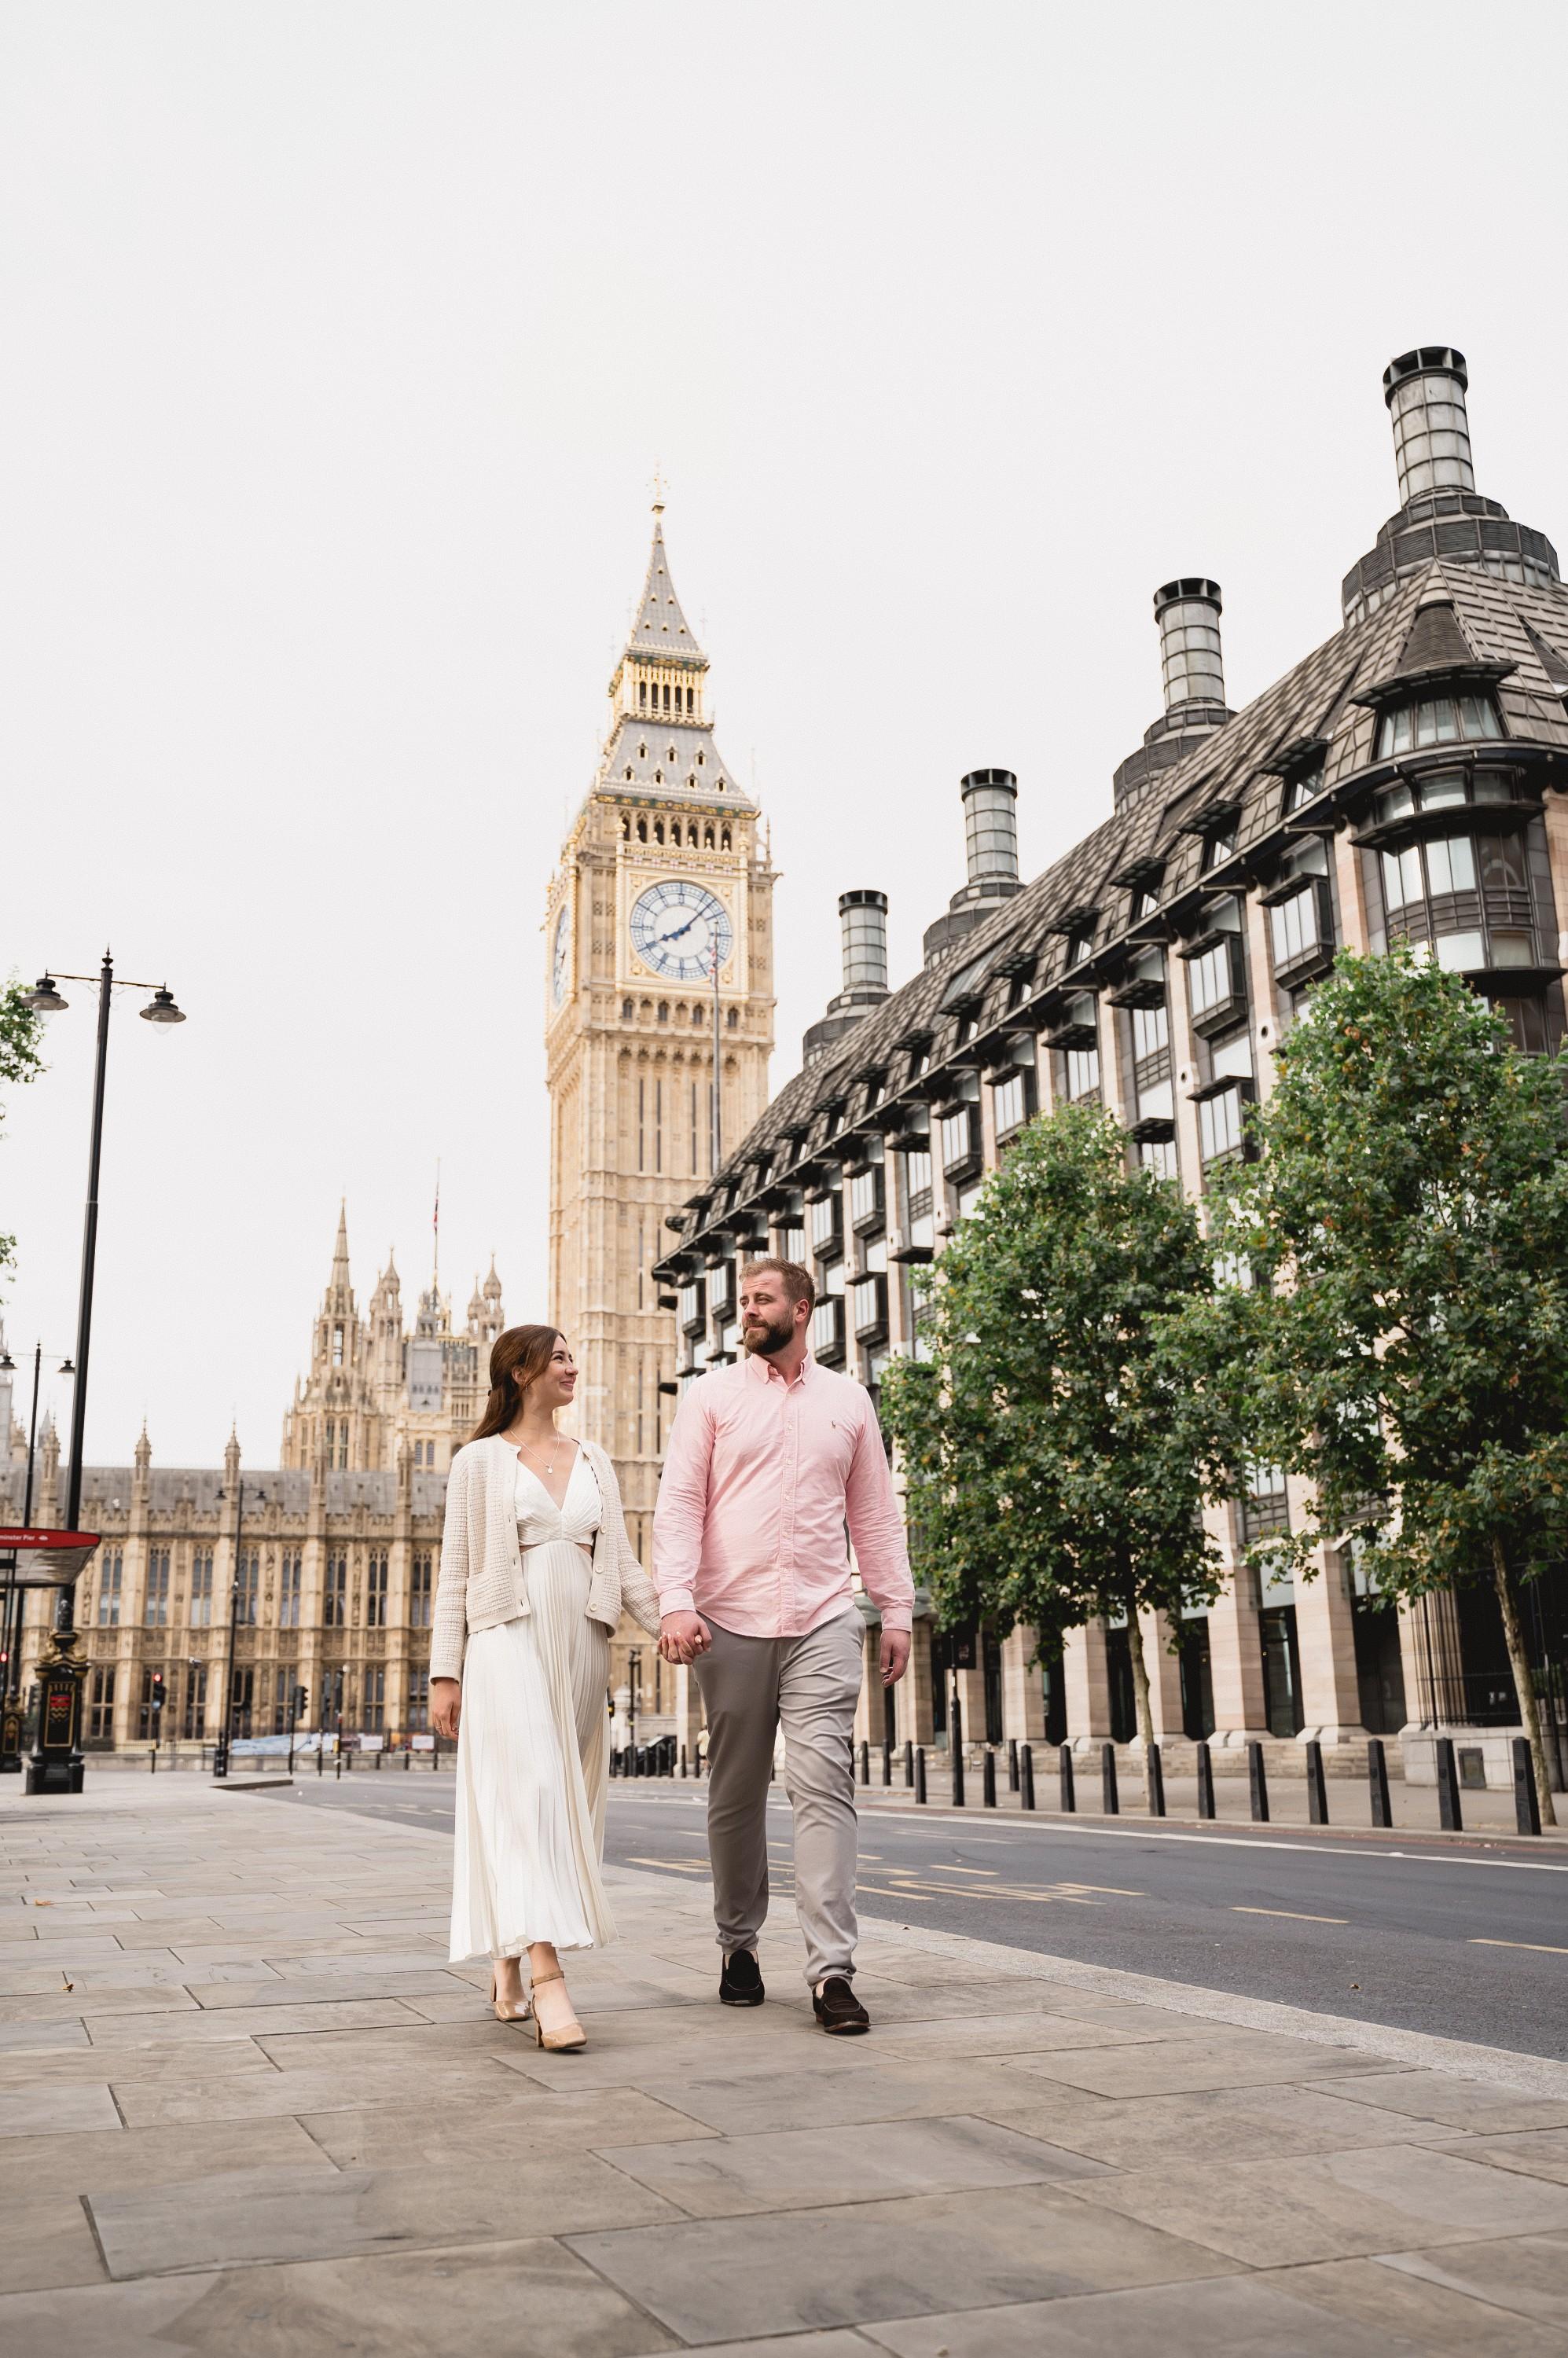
[{"x": 555, "y": 1445}]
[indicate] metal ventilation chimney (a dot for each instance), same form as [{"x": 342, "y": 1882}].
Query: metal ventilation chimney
[
  {"x": 1191, "y": 664},
  {"x": 1442, "y": 515},
  {"x": 1192, "y": 667},
  {"x": 1426, "y": 394},
  {"x": 863, "y": 929},
  {"x": 990, "y": 855}
]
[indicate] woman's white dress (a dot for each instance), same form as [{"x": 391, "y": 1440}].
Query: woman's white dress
[{"x": 534, "y": 1746}]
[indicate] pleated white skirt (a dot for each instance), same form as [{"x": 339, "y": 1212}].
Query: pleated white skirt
[{"x": 532, "y": 1767}]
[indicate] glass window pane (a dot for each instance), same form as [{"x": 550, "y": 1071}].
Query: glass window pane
[
  {"x": 1459, "y": 952},
  {"x": 1437, "y": 794}
]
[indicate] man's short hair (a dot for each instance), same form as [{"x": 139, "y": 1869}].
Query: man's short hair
[{"x": 796, "y": 1280}]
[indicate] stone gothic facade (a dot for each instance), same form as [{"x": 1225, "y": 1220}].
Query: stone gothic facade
[{"x": 327, "y": 1560}]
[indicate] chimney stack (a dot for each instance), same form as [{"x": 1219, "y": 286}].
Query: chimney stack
[
  {"x": 990, "y": 855},
  {"x": 990, "y": 829},
  {"x": 1191, "y": 665},
  {"x": 1426, "y": 394},
  {"x": 863, "y": 925},
  {"x": 863, "y": 928},
  {"x": 1441, "y": 516}
]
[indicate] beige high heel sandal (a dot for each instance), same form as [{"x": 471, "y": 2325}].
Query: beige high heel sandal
[
  {"x": 566, "y": 2042},
  {"x": 504, "y": 2011}
]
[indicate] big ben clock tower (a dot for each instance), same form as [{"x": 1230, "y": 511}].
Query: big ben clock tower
[{"x": 661, "y": 877}]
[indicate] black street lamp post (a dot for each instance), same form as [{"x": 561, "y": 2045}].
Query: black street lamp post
[
  {"x": 64, "y": 1771},
  {"x": 633, "y": 1688}
]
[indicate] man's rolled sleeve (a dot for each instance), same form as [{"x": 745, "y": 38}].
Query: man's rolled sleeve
[
  {"x": 876, "y": 1528},
  {"x": 681, "y": 1510}
]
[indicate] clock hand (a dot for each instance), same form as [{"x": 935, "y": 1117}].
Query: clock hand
[{"x": 682, "y": 929}]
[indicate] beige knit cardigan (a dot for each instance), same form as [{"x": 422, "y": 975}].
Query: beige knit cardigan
[{"x": 482, "y": 1582}]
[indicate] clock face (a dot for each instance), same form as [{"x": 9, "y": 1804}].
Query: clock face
[
  {"x": 560, "y": 949},
  {"x": 681, "y": 930}
]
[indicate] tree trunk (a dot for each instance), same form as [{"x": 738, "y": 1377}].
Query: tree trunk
[
  {"x": 1518, "y": 1663},
  {"x": 1139, "y": 1679}
]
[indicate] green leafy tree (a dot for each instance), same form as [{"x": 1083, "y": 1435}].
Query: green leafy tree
[
  {"x": 1403, "y": 1341},
  {"x": 21, "y": 1032},
  {"x": 1056, "y": 1452}
]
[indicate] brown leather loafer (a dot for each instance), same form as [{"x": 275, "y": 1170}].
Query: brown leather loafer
[{"x": 837, "y": 2009}]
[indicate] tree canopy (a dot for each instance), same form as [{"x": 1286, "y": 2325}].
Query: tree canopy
[
  {"x": 1055, "y": 1450},
  {"x": 20, "y": 1060},
  {"x": 1403, "y": 1337}
]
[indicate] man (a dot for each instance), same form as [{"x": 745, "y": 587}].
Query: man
[{"x": 768, "y": 1460}]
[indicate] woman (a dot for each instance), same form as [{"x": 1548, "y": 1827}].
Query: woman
[{"x": 535, "y": 1565}]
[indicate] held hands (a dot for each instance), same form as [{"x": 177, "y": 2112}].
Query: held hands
[
  {"x": 893, "y": 1657},
  {"x": 683, "y": 1637},
  {"x": 446, "y": 1707}
]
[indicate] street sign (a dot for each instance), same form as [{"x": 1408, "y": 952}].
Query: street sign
[{"x": 27, "y": 1535}]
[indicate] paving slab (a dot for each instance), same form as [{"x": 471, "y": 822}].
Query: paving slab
[
  {"x": 289, "y": 2125},
  {"x": 522, "y": 2300},
  {"x": 788, "y": 2271}
]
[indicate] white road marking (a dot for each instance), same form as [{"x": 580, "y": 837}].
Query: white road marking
[
  {"x": 1295, "y": 1915},
  {"x": 1543, "y": 1948}
]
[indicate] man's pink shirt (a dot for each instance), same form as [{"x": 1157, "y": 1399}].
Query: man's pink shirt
[{"x": 761, "y": 1478}]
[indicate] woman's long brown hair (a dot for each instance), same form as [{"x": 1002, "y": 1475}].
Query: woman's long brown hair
[{"x": 518, "y": 1357}]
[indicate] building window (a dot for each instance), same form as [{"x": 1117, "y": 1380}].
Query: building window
[
  {"x": 1081, "y": 1073},
  {"x": 155, "y": 1607},
  {"x": 335, "y": 1595},
  {"x": 418, "y": 1700},
  {"x": 373, "y": 1711},
  {"x": 1438, "y": 720},
  {"x": 336, "y": 1346},
  {"x": 250, "y": 1590},
  {"x": 1013, "y": 1102},
  {"x": 866, "y": 1210},
  {"x": 827, "y": 1328},
  {"x": 376, "y": 1591},
  {"x": 721, "y": 1289},
  {"x": 100, "y": 1705},
  {"x": 1214, "y": 979},
  {"x": 1158, "y": 1156},
  {"x": 193, "y": 1726},
  {"x": 201, "y": 1589},
  {"x": 917, "y": 1200},
  {"x": 1264, "y": 1507},
  {"x": 110, "y": 1578},
  {"x": 1080, "y": 946},
  {"x": 869, "y": 1303},
  {"x": 1220, "y": 846},
  {"x": 959, "y": 1136},
  {"x": 1221, "y": 1134},
  {"x": 1297, "y": 927},
  {"x": 421, "y": 1591},
  {"x": 241, "y": 1698},
  {"x": 290, "y": 1581},
  {"x": 825, "y": 1221}
]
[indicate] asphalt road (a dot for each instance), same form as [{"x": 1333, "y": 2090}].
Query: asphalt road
[{"x": 1457, "y": 1943}]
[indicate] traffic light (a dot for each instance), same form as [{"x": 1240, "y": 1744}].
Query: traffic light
[
  {"x": 157, "y": 1696},
  {"x": 301, "y": 1696}
]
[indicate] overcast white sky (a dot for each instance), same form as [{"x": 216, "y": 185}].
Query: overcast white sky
[{"x": 341, "y": 342}]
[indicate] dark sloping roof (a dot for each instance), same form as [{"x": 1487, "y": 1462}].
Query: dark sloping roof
[
  {"x": 661, "y": 629},
  {"x": 1489, "y": 621}
]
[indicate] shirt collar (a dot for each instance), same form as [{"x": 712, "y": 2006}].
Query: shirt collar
[{"x": 762, "y": 1369}]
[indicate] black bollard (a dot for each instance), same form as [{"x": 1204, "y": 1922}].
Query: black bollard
[
  {"x": 956, "y": 1745},
  {"x": 988, "y": 1779},
  {"x": 1205, "y": 1780},
  {"x": 909, "y": 1764},
  {"x": 1108, "y": 1801},
  {"x": 1156, "y": 1777},
  {"x": 920, "y": 1773},
  {"x": 1258, "y": 1780},
  {"x": 683, "y": 1760},
  {"x": 1069, "y": 1799},
  {"x": 1013, "y": 1764},
  {"x": 1026, "y": 1778},
  {"x": 1450, "y": 1816},
  {"x": 865, "y": 1764},
  {"x": 1527, "y": 1801},
  {"x": 887, "y": 1766},
  {"x": 1318, "y": 1788},
  {"x": 1377, "y": 1781},
  {"x": 956, "y": 1753}
]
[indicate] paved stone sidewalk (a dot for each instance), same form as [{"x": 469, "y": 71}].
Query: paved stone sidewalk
[{"x": 246, "y": 2107}]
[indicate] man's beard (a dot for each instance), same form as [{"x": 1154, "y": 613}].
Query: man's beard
[{"x": 766, "y": 1340}]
